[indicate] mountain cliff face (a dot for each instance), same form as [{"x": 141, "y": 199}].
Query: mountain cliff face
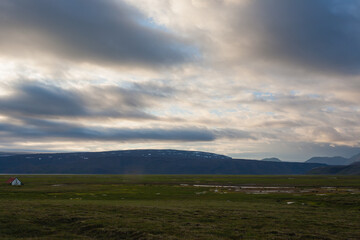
[{"x": 145, "y": 162}]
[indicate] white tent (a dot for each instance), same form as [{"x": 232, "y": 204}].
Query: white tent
[{"x": 14, "y": 182}]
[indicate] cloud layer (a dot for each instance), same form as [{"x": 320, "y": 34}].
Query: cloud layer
[
  {"x": 46, "y": 101},
  {"x": 247, "y": 78},
  {"x": 86, "y": 31},
  {"x": 316, "y": 34}
]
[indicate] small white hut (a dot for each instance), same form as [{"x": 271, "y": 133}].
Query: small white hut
[{"x": 14, "y": 181}]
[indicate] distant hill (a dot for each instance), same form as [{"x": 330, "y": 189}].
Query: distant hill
[
  {"x": 6, "y": 154},
  {"x": 273, "y": 159},
  {"x": 329, "y": 160},
  {"x": 145, "y": 162},
  {"x": 355, "y": 158},
  {"x": 335, "y": 160},
  {"x": 352, "y": 169}
]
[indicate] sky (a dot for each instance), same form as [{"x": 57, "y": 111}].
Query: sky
[{"x": 245, "y": 78}]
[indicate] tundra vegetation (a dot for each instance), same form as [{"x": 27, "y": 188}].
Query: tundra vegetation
[{"x": 180, "y": 207}]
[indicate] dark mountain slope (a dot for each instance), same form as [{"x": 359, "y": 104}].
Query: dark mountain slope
[
  {"x": 335, "y": 160},
  {"x": 329, "y": 160},
  {"x": 145, "y": 162},
  {"x": 6, "y": 154},
  {"x": 352, "y": 169},
  {"x": 355, "y": 158}
]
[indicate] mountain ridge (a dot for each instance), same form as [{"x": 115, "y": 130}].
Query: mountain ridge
[
  {"x": 335, "y": 161},
  {"x": 352, "y": 169},
  {"x": 338, "y": 160},
  {"x": 163, "y": 161},
  {"x": 272, "y": 159}
]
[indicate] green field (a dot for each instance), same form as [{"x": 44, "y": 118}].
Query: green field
[{"x": 180, "y": 207}]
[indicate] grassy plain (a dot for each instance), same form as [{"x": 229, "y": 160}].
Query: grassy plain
[{"x": 180, "y": 207}]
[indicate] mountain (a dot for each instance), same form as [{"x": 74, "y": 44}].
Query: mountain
[
  {"x": 335, "y": 160},
  {"x": 352, "y": 169},
  {"x": 355, "y": 158},
  {"x": 273, "y": 159},
  {"x": 329, "y": 160},
  {"x": 6, "y": 154},
  {"x": 145, "y": 162}
]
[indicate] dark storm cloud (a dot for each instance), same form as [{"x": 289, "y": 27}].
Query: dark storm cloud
[
  {"x": 318, "y": 34},
  {"x": 100, "y": 32},
  {"x": 45, "y": 101},
  {"x": 41, "y": 129},
  {"x": 34, "y": 129},
  {"x": 41, "y": 100},
  {"x": 34, "y": 111}
]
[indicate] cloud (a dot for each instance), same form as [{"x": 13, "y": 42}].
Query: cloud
[
  {"x": 107, "y": 32},
  {"x": 34, "y": 99},
  {"x": 313, "y": 35},
  {"x": 274, "y": 75},
  {"x": 40, "y": 129},
  {"x": 34, "y": 129},
  {"x": 36, "y": 111},
  {"x": 280, "y": 124},
  {"x": 321, "y": 35},
  {"x": 235, "y": 134}
]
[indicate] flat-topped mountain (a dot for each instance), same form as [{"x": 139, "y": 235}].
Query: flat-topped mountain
[
  {"x": 145, "y": 162},
  {"x": 273, "y": 159}
]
